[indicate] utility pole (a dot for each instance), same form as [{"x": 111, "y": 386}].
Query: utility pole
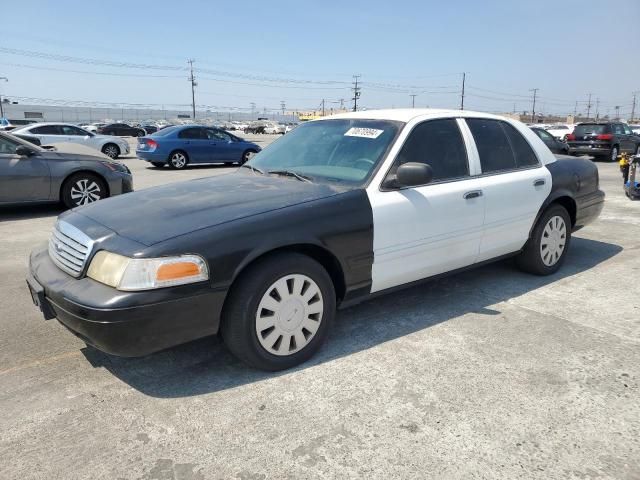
[
  {"x": 1, "y": 105},
  {"x": 322, "y": 107},
  {"x": 253, "y": 109},
  {"x": 589, "y": 107},
  {"x": 282, "y": 106},
  {"x": 192, "y": 79},
  {"x": 597, "y": 108},
  {"x": 533, "y": 109},
  {"x": 633, "y": 107},
  {"x": 464, "y": 75},
  {"x": 356, "y": 92},
  {"x": 575, "y": 112},
  {"x": 342, "y": 104},
  {"x": 617, "y": 112},
  {"x": 413, "y": 100}
]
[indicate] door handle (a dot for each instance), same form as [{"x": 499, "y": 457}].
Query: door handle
[
  {"x": 539, "y": 182},
  {"x": 472, "y": 194}
]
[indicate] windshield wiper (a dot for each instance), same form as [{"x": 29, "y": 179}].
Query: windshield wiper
[
  {"x": 289, "y": 173},
  {"x": 252, "y": 168}
]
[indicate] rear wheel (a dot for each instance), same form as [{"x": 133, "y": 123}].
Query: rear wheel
[
  {"x": 83, "y": 188},
  {"x": 613, "y": 155},
  {"x": 279, "y": 312},
  {"x": 178, "y": 160},
  {"x": 545, "y": 251},
  {"x": 111, "y": 150}
]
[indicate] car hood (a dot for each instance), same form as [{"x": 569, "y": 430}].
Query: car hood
[
  {"x": 62, "y": 154},
  {"x": 157, "y": 214}
]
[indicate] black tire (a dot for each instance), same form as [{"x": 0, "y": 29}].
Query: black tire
[
  {"x": 174, "y": 162},
  {"x": 93, "y": 185},
  {"x": 158, "y": 164},
  {"x": 111, "y": 150},
  {"x": 246, "y": 154},
  {"x": 531, "y": 259},
  {"x": 613, "y": 154},
  {"x": 238, "y": 327}
]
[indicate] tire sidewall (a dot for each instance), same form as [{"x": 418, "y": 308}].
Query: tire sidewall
[
  {"x": 245, "y": 301},
  {"x": 111, "y": 145},
  {"x": 555, "y": 210}
]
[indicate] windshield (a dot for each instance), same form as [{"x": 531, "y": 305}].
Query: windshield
[
  {"x": 340, "y": 150},
  {"x": 590, "y": 128}
]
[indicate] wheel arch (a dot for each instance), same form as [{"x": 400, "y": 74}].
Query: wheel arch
[
  {"x": 175, "y": 150},
  {"x": 560, "y": 197},
  {"x": 82, "y": 170},
  {"x": 320, "y": 254}
]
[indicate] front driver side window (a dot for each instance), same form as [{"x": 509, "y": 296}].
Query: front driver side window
[
  {"x": 439, "y": 144},
  {"x": 7, "y": 147}
]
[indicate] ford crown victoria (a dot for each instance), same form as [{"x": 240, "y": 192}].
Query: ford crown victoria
[{"x": 335, "y": 212}]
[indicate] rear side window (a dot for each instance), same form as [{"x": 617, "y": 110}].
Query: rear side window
[
  {"x": 493, "y": 145},
  {"x": 439, "y": 144},
  {"x": 190, "y": 133},
  {"x": 47, "y": 130},
  {"x": 618, "y": 129},
  {"x": 525, "y": 157}
]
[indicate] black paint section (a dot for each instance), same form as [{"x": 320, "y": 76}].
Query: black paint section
[{"x": 229, "y": 220}]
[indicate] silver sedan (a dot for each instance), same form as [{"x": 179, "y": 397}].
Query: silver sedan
[{"x": 30, "y": 174}]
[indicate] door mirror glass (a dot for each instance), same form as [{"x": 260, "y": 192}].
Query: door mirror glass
[{"x": 412, "y": 174}]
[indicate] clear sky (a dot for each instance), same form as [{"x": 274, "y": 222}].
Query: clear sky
[{"x": 300, "y": 52}]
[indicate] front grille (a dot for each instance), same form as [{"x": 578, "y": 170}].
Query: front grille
[{"x": 69, "y": 248}]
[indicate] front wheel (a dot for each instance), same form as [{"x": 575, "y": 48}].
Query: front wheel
[
  {"x": 82, "y": 189},
  {"x": 247, "y": 155},
  {"x": 546, "y": 250},
  {"x": 279, "y": 312}
]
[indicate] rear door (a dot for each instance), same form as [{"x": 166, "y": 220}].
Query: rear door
[
  {"x": 22, "y": 179},
  {"x": 74, "y": 134},
  {"x": 48, "y": 134},
  {"x": 624, "y": 142},
  {"x": 514, "y": 183},
  {"x": 196, "y": 144}
]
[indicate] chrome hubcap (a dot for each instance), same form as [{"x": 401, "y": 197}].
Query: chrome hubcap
[
  {"x": 554, "y": 239},
  {"x": 289, "y": 315},
  {"x": 178, "y": 160},
  {"x": 85, "y": 191},
  {"x": 248, "y": 156}
]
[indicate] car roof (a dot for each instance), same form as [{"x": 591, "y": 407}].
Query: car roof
[
  {"x": 39, "y": 124},
  {"x": 408, "y": 114}
]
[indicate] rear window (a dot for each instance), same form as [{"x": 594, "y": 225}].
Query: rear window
[
  {"x": 165, "y": 131},
  {"x": 590, "y": 128}
]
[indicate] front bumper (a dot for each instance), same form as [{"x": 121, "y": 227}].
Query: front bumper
[
  {"x": 151, "y": 156},
  {"x": 127, "y": 324},
  {"x": 119, "y": 183}
]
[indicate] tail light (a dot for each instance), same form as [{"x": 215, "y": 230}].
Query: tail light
[
  {"x": 571, "y": 137},
  {"x": 604, "y": 136},
  {"x": 151, "y": 143}
]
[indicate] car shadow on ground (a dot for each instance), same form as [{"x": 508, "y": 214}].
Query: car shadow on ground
[
  {"x": 205, "y": 366},
  {"x": 26, "y": 212},
  {"x": 194, "y": 167}
]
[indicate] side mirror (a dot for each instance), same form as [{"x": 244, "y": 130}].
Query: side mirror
[
  {"x": 412, "y": 174},
  {"x": 23, "y": 151}
]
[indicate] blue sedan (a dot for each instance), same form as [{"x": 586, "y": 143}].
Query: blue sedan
[{"x": 182, "y": 145}]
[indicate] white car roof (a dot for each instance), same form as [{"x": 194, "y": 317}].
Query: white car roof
[
  {"x": 408, "y": 114},
  {"x": 39, "y": 124}
]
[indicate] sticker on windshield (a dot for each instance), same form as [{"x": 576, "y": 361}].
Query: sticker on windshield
[{"x": 363, "y": 132}]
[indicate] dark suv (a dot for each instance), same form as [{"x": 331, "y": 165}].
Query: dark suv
[
  {"x": 603, "y": 139},
  {"x": 121, "y": 130}
]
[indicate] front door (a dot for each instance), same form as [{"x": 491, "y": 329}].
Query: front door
[
  {"x": 22, "y": 179},
  {"x": 430, "y": 229},
  {"x": 224, "y": 148},
  {"x": 514, "y": 182},
  {"x": 196, "y": 144}
]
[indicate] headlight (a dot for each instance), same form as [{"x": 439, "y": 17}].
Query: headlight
[{"x": 131, "y": 274}]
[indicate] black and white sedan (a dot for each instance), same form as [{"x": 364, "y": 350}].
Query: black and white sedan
[{"x": 335, "y": 212}]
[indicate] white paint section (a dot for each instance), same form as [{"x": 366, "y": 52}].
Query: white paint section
[
  {"x": 424, "y": 231},
  {"x": 512, "y": 202}
]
